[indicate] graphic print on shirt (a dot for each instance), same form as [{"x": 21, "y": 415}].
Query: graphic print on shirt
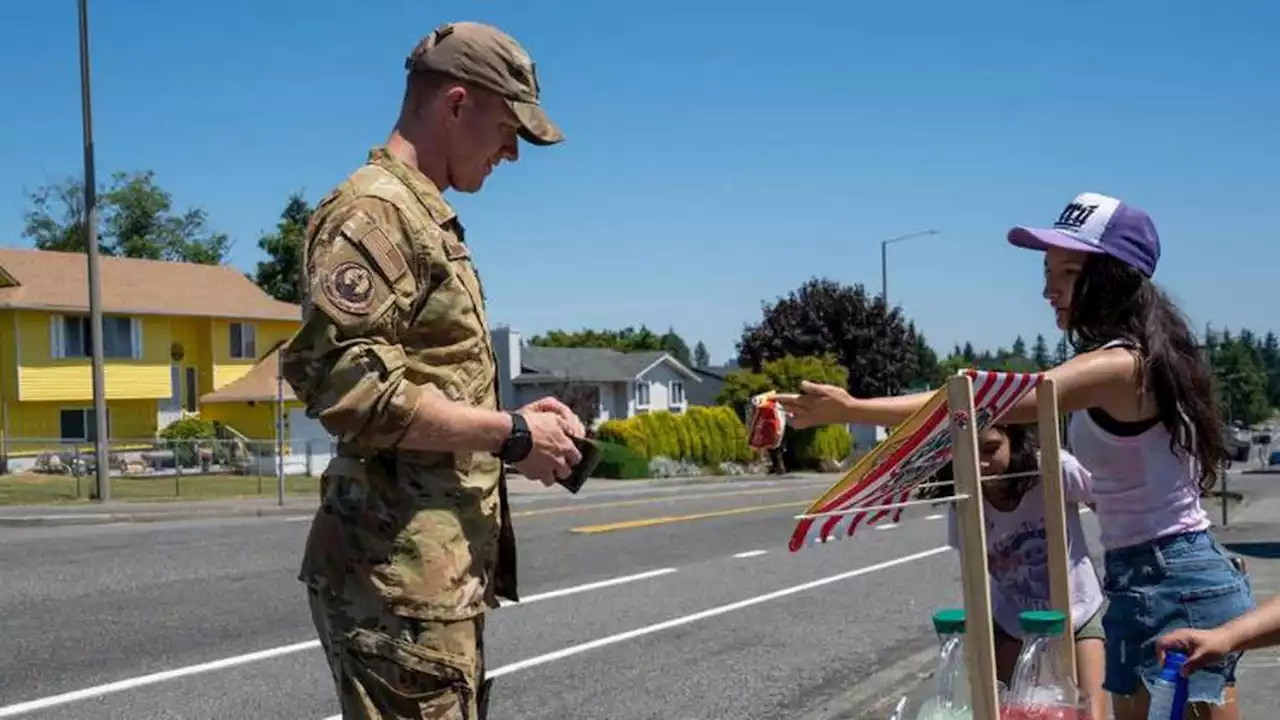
[{"x": 1018, "y": 564}]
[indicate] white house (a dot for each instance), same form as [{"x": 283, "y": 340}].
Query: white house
[{"x": 621, "y": 385}]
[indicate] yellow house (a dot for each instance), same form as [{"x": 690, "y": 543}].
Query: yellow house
[
  {"x": 172, "y": 333},
  {"x": 249, "y": 404}
]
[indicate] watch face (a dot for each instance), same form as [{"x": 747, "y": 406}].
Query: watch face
[{"x": 520, "y": 442}]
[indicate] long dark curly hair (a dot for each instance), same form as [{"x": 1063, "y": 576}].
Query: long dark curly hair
[{"x": 1113, "y": 301}]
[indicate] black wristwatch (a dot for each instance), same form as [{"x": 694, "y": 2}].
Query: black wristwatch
[{"x": 519, "y": 443}]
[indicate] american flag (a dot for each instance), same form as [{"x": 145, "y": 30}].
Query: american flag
[{"x": 910, "y": 456}]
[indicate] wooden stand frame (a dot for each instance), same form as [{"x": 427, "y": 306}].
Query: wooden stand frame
[{"x": 979, "y": 630}]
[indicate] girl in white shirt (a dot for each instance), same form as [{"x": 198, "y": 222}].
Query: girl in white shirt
[{"x": 1017, "y": 551}]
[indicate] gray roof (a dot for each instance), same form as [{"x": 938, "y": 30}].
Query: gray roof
[
  {"x": 544, "y": 364},
  {"x": 713, "y": 377}
]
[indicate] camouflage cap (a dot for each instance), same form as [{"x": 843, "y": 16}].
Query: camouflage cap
[{"x": 489, "y": 58}]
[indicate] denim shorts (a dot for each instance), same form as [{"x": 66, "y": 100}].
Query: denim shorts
[{"x": 1179, "y": 581}]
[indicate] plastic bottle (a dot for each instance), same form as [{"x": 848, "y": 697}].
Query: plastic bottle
[
  {"x": 1169, "y": 691},
  {"x": 1040, "y": 688},
  {"x": 950, "y": 699}
]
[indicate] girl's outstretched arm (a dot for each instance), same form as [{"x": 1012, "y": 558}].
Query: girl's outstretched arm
[{"x": 1100, "y": 378}]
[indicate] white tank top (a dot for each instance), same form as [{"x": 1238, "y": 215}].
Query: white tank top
[{"x": 1142, "y": 489}]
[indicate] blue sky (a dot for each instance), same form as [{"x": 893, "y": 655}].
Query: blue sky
[{"x": 718, "y": 153}]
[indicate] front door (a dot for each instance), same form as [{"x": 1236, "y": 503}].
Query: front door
[{"x": 170, "y": 410}]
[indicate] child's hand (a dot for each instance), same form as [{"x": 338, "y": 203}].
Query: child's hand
[{"x": 1200, "y": 646}]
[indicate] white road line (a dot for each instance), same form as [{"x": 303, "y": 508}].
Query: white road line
[
  {"x": 141, "y": 681},
  {"x": 710, "y": 613},
  {"x": 939, "y": 516},
  {"x": 589, "y": 586},
  {"x": 751, "y": 553},
  {"x": 131, "y": 683},
  {"x": 687, "y": 619},
  {"x": 890, "y": 526},
  {"x": 298, "y": 518}
]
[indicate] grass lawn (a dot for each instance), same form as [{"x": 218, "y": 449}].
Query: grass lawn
[{"x": 38, "y": 489}]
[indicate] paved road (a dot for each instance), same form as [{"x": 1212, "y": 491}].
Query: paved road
[{"x": 682, "y": 603}]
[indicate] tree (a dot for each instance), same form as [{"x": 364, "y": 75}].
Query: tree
[
  {"x": 581, "y": 397},
  {"x": 967, "y": 353},
  {"x": 701, "y": 358},
  {"x": 1270, "y": 354},
  {"x": 136, "y": 218},
  {"x": 280, "y": 274},
  {"x": 627, "y": 339},
  {"x": 948, "y": 367},
  {"x": 923, "y": 363},
  {"x": 55, "y": 220},
  {"x": 823, "y": 317},
  {"x": 784, "y": 374},
  {"x": 1241, "y": 384},
  {"x": 1019, "y": 348},
  {"x": 676, "y": 346},
  {"x": 1063, "y": 352},
  {"x": 1040, "y": 354}
]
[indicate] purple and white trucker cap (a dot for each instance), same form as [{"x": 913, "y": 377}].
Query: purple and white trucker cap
[{"x": 1094, "y": 223}]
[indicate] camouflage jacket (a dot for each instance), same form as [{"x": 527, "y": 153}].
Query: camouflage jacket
[{"x": 393, "y": 305}]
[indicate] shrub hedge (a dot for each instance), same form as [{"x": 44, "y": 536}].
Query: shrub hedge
[
  {"x": 705, "y": 435},
  {"x": 619, "y": 463},
  {"x": 811, "y": 446}
]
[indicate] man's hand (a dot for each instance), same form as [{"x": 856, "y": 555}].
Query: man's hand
[
  {"x": 568, "y": 419},
  {"x": 554, "y": 454},
  {"x": 817, "y": 404},
  {"x": 1200, "y": 646}
]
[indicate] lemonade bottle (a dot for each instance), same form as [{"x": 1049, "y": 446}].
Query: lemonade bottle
[
  {"x": 1040, "y": 687},
  {"x": 950, "y": 699}
]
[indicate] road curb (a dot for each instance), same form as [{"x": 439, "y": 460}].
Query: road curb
[
  {"x": 875, "y": 697},
  {"x": 116, "y": 517},
  {"x": 130, "y": 516}
]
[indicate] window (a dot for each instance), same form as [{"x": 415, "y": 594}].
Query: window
[
  {"x": 677, "y": 393},
  {"x": 244, "y": 345},
  {"x": 80, "y": 425},
  {"x": 642, "y": 394},
  {"x": 71, "y": 337}
]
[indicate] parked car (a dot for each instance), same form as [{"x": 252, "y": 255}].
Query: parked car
[{"x": 1238, "y": 443}]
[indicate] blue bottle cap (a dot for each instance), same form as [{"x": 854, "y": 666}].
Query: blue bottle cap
[{"x": 1173, "y": 662}]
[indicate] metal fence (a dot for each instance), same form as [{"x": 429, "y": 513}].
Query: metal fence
[{"x": 158, "y": 468}]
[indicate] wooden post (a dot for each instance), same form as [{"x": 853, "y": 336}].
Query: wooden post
[
  {"x": 979, "y": 632},
  {"x": 1055, "y": 515}
]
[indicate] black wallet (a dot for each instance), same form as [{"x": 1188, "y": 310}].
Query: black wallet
[{"x": 590, "y": 458}]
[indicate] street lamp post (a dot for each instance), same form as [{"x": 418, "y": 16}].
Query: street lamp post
[
  {"x": 95, "y": 287},
  {"x": 884, "y": 259}
]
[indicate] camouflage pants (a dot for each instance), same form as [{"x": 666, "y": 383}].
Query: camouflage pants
[{"x": 388, "y": 667}]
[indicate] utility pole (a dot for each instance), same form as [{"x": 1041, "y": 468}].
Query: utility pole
[
  {"x": 101, "y": 429},
  {"x": 884, "y": 260}
]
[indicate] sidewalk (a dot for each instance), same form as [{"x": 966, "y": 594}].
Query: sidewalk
[
  {"x": 118, "y": 511},
  {"x": 1254, "y": 534}
]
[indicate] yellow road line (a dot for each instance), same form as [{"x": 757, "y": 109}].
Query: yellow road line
[
  {"x": 651, "y": 501},
  {"x": 649, "y": 522}
]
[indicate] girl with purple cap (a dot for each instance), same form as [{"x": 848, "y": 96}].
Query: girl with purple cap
[{"x": 1144, "y": 421}]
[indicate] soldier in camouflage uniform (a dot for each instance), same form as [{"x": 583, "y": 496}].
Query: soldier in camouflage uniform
[{"x": 413, "y": 540}]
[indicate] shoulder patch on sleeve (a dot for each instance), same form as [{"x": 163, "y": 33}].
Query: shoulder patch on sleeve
[
  {"x": 365, "y": 232},
  {"x": 349, "y": 286}
]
